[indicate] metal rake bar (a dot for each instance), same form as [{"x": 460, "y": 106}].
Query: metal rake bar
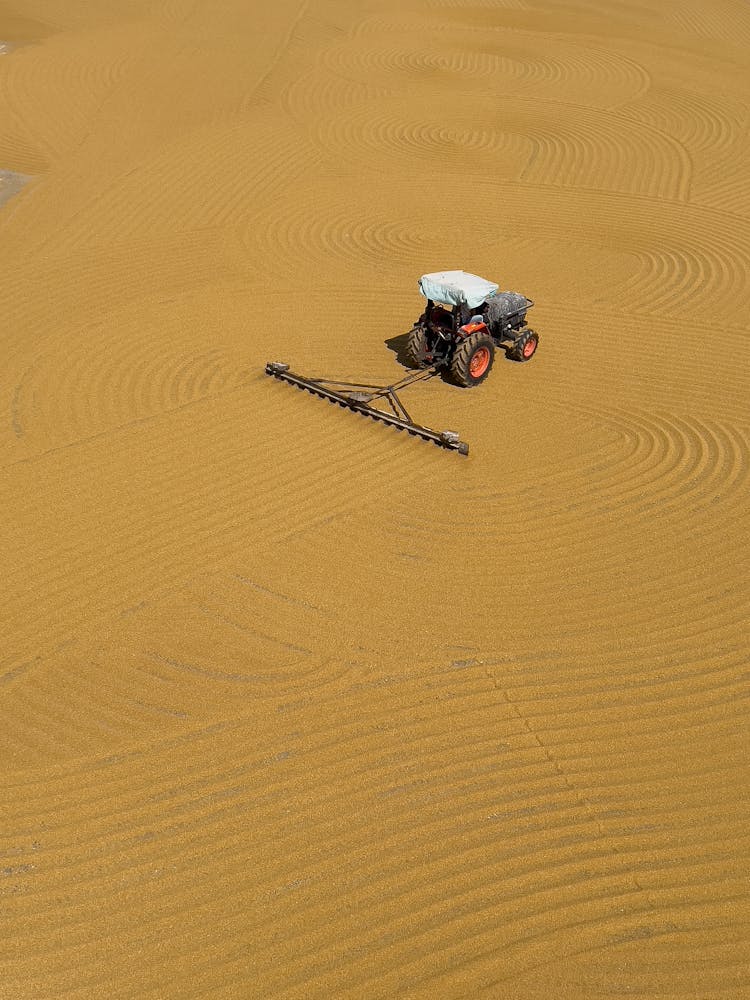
[{"x": 360, "y": 397}]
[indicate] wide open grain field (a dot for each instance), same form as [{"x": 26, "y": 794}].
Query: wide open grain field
[{"x": 295, "y": 705}]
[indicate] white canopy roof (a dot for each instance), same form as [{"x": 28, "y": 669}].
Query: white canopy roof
[{"x": 454, "y": 287}]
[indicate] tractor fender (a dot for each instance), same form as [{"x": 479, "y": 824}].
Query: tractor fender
[{"x": 471, "y": 327}]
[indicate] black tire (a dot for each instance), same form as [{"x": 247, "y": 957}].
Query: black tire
[
  {"x": 417, "y": 348},
  {"x": 477, "y": 352},
  {"x": 525, "y": 347}
]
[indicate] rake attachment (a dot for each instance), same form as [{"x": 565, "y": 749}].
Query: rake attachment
[{"x": 367, "y": 399}]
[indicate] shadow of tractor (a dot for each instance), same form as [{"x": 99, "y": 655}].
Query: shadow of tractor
[{"x": 398, "y": 346}]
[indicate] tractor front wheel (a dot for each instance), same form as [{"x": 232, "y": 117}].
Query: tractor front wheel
[
  {"x": 473, "y": 359},
  {"x": 525, "y": 347},
  {"x": 417, "y": 348}
]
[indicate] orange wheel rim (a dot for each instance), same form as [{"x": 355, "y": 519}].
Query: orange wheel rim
[
  {"x": 529, "y": 347},
  {"x": 480, "y": 362}
]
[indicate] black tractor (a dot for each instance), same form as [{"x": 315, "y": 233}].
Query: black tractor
[{"x": 465, "y": 321}]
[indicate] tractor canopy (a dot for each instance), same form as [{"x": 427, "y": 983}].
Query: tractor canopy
[{"x": 456, "y": 287}]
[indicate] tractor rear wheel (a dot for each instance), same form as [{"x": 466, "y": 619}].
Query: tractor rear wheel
[
  {"x": 417, "y": 348},
  {"x": 473, "y": 359},
  {"x": 525, "y": 347}
]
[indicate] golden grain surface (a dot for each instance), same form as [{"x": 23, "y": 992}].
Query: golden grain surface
[{"x": 295, "y": 706}]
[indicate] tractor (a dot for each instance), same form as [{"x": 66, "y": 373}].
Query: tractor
[{"x": 466, "y": 319}]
